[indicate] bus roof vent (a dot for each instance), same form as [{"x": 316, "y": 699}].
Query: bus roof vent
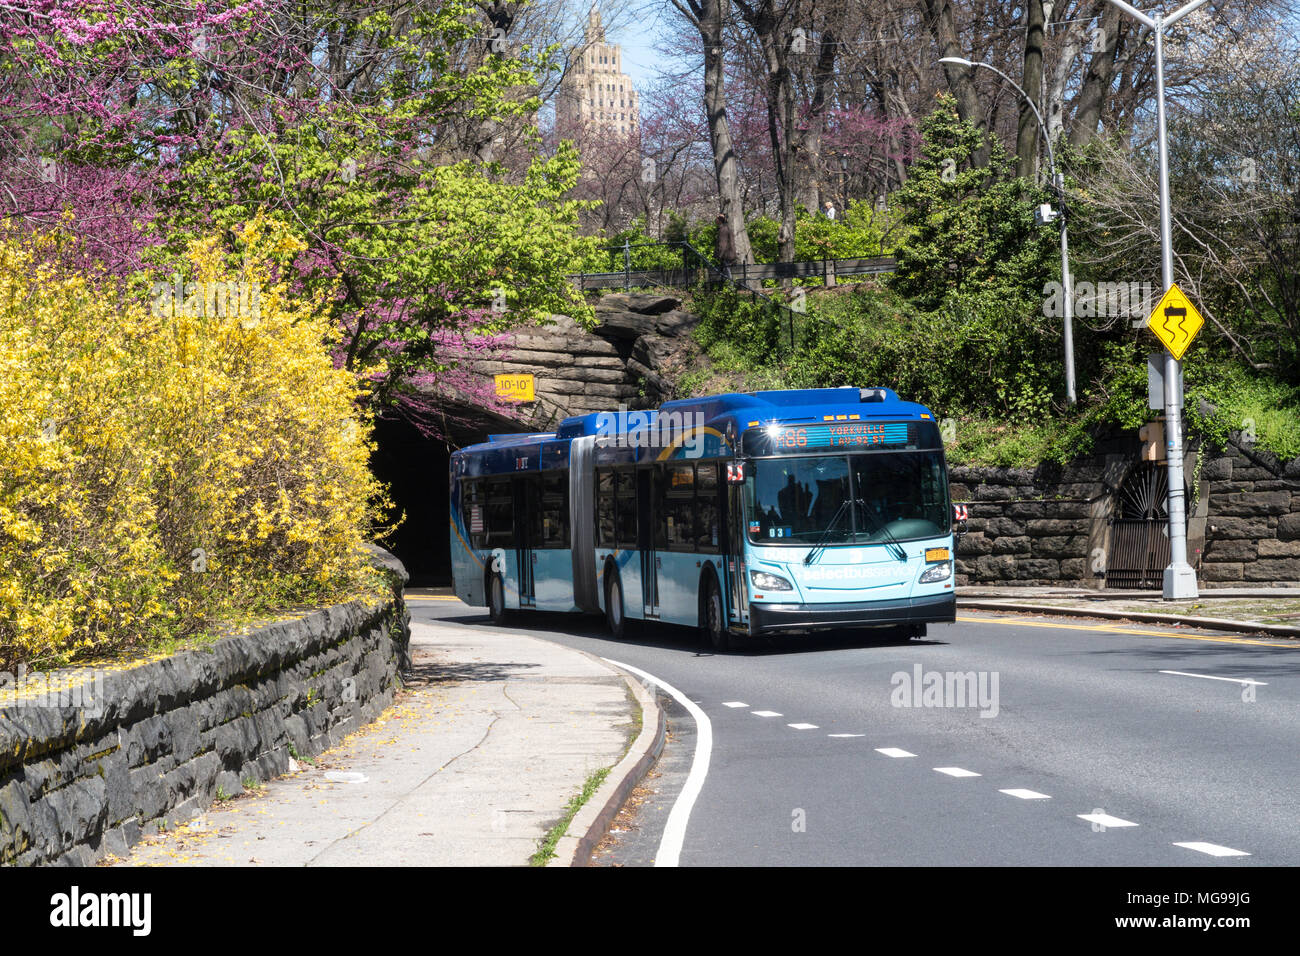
[{"x": 876, "y": 395}]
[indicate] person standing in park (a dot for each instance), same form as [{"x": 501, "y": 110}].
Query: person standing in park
[
  {"x": 725, "y": 246},
  {"x": 830, "y": 210}
]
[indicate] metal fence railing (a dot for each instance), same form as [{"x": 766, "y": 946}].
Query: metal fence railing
[{"x": 680, "y": 265}]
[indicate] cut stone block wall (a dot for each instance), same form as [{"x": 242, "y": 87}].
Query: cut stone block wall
[
  {"x": 1050, "y": 525},
  {"x": 136, "y": 750}
]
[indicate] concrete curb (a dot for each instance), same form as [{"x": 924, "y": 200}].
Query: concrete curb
[
  {"x": 593, "y": 820},
  {"x": 1147, "y": 617}
]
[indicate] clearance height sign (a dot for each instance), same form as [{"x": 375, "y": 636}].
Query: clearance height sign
[{"x": 516, "y": 388}]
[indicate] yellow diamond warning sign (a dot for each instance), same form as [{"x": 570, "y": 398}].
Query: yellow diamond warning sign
[{"x": 1175, "y": 321}]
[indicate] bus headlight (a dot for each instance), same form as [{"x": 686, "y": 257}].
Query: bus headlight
[
  {"x": 769, "y": 582},
  {"x": 939, "y": 572}
]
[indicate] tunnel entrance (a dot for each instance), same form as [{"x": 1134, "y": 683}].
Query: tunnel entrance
[{"x": 415, "y": 469}]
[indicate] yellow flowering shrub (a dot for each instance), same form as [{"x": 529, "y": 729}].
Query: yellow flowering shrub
[{"x": 166, "y": 464}]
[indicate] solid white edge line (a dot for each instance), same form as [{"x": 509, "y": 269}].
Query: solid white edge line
[
  {"x": 670, "y": 845},
  {"x": 1232, "y": 680}
]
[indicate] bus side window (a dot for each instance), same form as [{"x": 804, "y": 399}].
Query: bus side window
[
  {"x": 679, "y": 507},
  {"x": 555, "y": 509},
  {"x": 472, "y": 511},
  {"x": 500, "y": 514},
  {"x": 625, "y": 508},
  {"x": 708, "y": 510},
  {"x": 605, "y": 508}
]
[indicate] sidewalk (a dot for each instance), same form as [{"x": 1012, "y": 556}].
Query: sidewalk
[
  {"x": 1272, "y": 611},
  {"x": 492, "y": 736}
]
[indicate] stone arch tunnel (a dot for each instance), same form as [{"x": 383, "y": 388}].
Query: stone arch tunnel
[{"x": 623, "y": 359}]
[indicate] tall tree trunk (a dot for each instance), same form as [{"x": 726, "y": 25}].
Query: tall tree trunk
[
  {"x": 708, "y": 17},
  {"x": 1027, "y": 132},
  {"x": 938, "y": 16},
  {"x": 1097, "y": 79},
  {"x": 771, "y": 26},
  {"x": 1071, "y": 45},
  {"x": 810, "y": 147}
]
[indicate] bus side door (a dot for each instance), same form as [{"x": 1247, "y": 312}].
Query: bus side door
[
  {"x": 527, "y": 532},
  {"x": 737, "y": 574},
  {"x": 648, "y": 495}
]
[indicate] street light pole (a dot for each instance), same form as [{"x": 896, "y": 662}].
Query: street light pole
[
  {"x": 1058, "y": 183},
  {"x": 1180, "y": 579}
]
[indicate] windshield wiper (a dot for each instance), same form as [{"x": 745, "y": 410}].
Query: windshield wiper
[
  {"x": 892, "y": 543},
  {"x": 807, "y": 558}
]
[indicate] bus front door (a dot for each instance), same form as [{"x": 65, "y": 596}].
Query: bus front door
[
  {"x": 647, "y": 504},
  {"x": 527, "y": 504},
  {"x": 736, "y": 576}
]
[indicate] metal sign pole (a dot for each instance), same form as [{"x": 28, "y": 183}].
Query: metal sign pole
[{"x": 1179, "y": 579}]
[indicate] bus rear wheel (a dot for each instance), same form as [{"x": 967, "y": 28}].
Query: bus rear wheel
[
  {"x": 713, "y": 623},
  {"x": 614, "y": 603},
  {"x": 497, "y": 599}
]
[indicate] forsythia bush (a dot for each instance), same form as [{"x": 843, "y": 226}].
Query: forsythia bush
[{"x": 163, "y": 467}]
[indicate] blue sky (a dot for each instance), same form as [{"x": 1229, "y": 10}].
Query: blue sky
[{"x": 636, "y": 34}]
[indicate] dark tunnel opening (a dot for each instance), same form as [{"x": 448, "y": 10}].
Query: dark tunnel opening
[{"x": 415, "y": 467}]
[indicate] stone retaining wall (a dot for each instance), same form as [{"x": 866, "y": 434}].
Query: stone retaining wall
[
  {"x": 1252, "y": 537},
  {"x": 1035, "y": 526},
  {"x": 1050, "y": 525},
  {"x": 157, "y": 743}
]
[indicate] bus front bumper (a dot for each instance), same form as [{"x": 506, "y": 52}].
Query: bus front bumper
[{"x": 772, "y": 618}]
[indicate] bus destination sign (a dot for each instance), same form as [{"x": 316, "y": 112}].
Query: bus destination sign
[{"x": 848, "y": 436}]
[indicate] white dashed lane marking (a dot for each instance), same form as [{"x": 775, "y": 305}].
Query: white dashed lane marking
[
  {"x": 1025, "y": 794},
  {"x": 846, "y": 735},
  {"x": 803, "y": 726},
  {"x": 765, "y": 713},
  {"x": 1105, "y": 820},
  {"x": 956, "y": 772},
  {"x": 734, "y": 703},
  {"x": 1213, "y": 849},
  {"x": 893, "y": 752},
  {"x": 1232, "y": 680}
]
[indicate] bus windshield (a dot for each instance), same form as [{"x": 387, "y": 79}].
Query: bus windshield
[{"x": 865, "y": 499}]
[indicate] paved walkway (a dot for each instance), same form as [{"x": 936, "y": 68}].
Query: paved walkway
[{"x": 470, "y": 767}]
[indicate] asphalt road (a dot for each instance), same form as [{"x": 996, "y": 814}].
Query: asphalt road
[{"x": 823, "y": 753}]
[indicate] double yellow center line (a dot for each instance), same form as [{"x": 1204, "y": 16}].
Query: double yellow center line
[{"x": 1115, "y": 629}]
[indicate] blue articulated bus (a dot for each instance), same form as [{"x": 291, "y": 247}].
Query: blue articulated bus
[{"x": 743, "y": 514}]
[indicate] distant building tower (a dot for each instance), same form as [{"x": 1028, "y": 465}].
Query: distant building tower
[{"x": 596, "y": 92}]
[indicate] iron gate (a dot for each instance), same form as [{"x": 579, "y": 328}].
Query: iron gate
[{"x": 1139, "y": 530}]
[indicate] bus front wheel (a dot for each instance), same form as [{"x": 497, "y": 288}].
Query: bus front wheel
[
  {"x": 713, "y": 623},
  {"x": 614, "y": 603},
  {"x": 496, "y": 599}
]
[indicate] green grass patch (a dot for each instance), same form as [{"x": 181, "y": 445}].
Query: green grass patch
[{"x": 546, "y": 846}]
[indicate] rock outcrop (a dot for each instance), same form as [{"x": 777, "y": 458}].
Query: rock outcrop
[{"x": 617, "y": 362}]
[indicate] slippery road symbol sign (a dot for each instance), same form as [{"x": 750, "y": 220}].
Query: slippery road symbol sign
[{"x": 1175, "y": 321}]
